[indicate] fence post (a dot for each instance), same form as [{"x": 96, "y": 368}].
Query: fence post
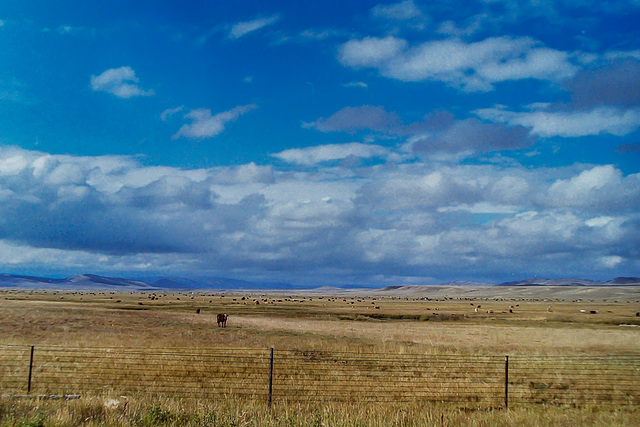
[
  {"x": 270, "y": 377},
  {"x": 506, "y": 383},
  {"x": 30, "y": 370}
]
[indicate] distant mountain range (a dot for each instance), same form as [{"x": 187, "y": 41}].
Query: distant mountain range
[
  {"x": 618, "y": 281},
  {"x": 83, "y": 281},
  {"x": 94, "y": 282}
]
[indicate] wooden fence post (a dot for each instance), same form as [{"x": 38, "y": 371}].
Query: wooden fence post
[
  {"x": 506, "y": 383},
  {"x": 270, "y": 377},
  {"x": 30, "y": 370}
]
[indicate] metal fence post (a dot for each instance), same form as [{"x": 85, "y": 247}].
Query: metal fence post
[
  {"x": 270, "y": 377},
  {"x": 506, "y": 383},
  {"x": 30, "y": 370}
]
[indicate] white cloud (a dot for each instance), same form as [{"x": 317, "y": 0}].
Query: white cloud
[
  {"x": 204, "y": 125},
  {"x": 326, "y": 153},
  {"x": 121, "y": 82},
  {"x": 370, "y": 51},
  {"x": 611, "y": 261},
  {"x": 601, "y": 188},
  {"x": 600, "y": 120},
  {"x": 469, "y": 66},
  {"x": 579, "y": 186},
  {"x": 243, "y": 28},
  {"x": 600, "y": 221}
]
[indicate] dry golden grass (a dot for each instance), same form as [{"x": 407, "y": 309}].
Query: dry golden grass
[
  {"x": 313, "y": 323},
  {"x": 101, "y": 412},
  {"x": 338, "y": 323}
]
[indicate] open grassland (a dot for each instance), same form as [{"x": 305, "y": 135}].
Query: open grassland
[
  {"x": 308, "y": 322},
  {"x": 309, "y": 330}
]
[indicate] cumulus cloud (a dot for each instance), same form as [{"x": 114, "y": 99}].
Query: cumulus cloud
[
  {"x": 592, "y": 190},
  {"x": 597, "y": 121},
  {"x": 121, "y": 82},
  {"x": 204, "y": 125},
  {"x": 471, "y": 67},
  {"x": 321, "y": 224},
  {"x": 241, "y": 29}
]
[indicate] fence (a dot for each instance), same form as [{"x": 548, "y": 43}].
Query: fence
[{"x": 318, "y": 376}]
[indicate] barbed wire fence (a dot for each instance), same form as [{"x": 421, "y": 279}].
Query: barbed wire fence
[{"x": 320, "y": 376}]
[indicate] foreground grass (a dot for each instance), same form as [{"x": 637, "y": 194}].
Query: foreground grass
[{"x": 96, "y": 412}]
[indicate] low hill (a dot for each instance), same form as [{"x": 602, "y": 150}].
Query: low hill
[
  {"x": 618, "y": 281},
  {"x": 80, "y": 282},
  {"x": 95, "y": 282}
]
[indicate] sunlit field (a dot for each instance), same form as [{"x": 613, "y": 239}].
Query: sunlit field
[
  {"x": 477, "y": 328},
  {"x": 311, "y": 322}
]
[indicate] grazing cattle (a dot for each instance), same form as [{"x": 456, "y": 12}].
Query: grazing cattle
[{"x": 222, "y": 320}]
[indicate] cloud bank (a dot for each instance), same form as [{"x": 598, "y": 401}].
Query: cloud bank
[{"x": 394, "y": 220}]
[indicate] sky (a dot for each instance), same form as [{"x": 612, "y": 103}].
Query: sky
[{"x": 361, "y": 142}]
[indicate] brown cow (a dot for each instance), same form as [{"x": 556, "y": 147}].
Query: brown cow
[{"x": 222, "y": 320}]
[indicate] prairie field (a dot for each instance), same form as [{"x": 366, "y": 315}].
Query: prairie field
[{"x": 464, "y": 335}]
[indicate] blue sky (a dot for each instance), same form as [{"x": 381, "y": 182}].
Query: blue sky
[{"x": 367, "y": 142}]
